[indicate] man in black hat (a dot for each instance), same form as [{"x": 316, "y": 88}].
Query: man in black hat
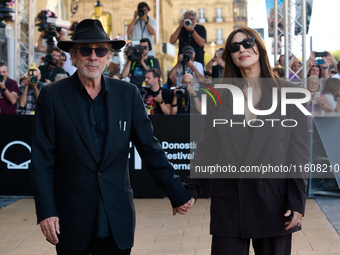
[
  {"x": 82, "y": 130},
  {"x": 186, "y": 64}
]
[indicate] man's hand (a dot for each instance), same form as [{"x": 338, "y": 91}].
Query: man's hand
[
  {"x": 296, "y": 219},
  {"x": 181, "y": 23},
  {"x": 190, "y": 63},
  {"x": 183, "y": 209},
  {"x": 159, "y": 97},
  {"x": 180, "y": 58},
  {"x": 50, "y": 228},
  {"x": 47, "y": 81},
  {"x": 189, "y": 28},
  {"x": 144, "y": 18},
  {"x": 135, "y": 14},
  {"x": 2, "y": 84}
]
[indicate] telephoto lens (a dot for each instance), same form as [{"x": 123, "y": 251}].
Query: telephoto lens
[
  {"x": 186, "y": 57},
  {"x": 187, "y": 22},
  {"x": 34, "y": 79},
  {"x": 141, "y": 13},
  {"x": 1, "y": 78}
]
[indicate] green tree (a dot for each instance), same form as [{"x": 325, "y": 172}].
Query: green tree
[{"x": 336, "y": 55}]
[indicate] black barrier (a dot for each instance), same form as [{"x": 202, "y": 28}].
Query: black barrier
[{"x": 172, "y": 132}]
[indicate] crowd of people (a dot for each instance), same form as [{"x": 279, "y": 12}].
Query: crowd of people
[{"x": 140, "y": 59}]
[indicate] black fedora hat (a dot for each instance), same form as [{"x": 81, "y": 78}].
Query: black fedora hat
[{"x": 90, "y": 31}]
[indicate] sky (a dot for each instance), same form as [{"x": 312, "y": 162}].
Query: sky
[{"x": 324, "y": 25}]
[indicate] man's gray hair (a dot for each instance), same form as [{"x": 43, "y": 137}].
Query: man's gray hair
[{"x": 190, "y": 13}]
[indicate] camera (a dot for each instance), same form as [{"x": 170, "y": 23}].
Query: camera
[
  {"x": 136, "y": 53},
  {"x": 186, "y": 57},
  {"x": 48, "y": 58},
  {"x": 320, "y": 54},
  {"x": 181, "y": 91},
  {"x": 187, "y": 22},
  {"x": 320, "y": 61},
  {"x": 31, "y": 73},
  {"x": 1, "y": 78},
  {"x": 48, "y": 25},
  {"x": 141, "y": 13}
]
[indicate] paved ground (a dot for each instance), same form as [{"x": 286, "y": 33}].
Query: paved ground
[
  {"x": 331, "y": 208},
  {"x": 158, "y": 232}
]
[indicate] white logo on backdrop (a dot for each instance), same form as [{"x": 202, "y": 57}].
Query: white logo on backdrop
[{"x": 11, "y": 165}]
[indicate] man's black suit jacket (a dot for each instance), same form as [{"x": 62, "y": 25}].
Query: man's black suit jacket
[{"x": 67, "y": 176}]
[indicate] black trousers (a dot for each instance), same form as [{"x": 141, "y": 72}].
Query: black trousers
[
  {"x": 280, "y": 245},
  {"x": 105, "y": 246}
]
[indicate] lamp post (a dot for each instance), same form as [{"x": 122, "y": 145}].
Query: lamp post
[{"x": 98, "y": 9}]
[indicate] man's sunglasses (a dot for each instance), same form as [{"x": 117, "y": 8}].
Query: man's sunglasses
[
  {"x": 86, "y": 51},
  {"x": 246, "y": 43}
]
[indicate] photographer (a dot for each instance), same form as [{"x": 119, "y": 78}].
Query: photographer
[
  {"x": 8, "y": 91},
  {"x": 142, "y": 25},
  {"x": 139, "y": 62},
  {"x": 59, "y": 36},
  {"x": 191, "y": 34},
  {"x": 183, "y": 95},
  {"x": 29, "y": 92},
  {"x": 186, "y": 64},
  {"x": 50, "y": 69},
  {"x": 157, "y": 99}
]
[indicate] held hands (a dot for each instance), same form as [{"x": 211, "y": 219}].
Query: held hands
[
  {"x": 50, "y": 228},
  {"x": 183, "y": 209},
  {"x": 295, "y": 221}
]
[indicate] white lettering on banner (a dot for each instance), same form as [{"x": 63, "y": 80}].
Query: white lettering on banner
[
  {"x": 11, "y": 165},
  {"x": 183, "y": 155},
  {"x": 178, "y": 146},
  {"x": 238, "y": 100}
]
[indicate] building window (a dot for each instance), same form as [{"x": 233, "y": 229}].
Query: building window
[
  {"x": 240, "y": 11},
  {"x": 219, "y": 36},
  {"x": 219, "y": 15},
  {"x": 201, "y": 15},
  {"x": 126, "y": 25}
]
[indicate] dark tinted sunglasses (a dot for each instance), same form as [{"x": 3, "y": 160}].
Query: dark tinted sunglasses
[
  {"x": 246, "y": 43},
  {"x": 86, "y": 51}
]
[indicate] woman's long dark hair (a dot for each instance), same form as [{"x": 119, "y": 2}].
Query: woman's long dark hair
[{"x": 232, "y": 72}]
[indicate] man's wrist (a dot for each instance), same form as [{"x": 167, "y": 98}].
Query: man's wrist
[
  {"x": 3, "y": 90},
  {"x": 161, "y": 102}
]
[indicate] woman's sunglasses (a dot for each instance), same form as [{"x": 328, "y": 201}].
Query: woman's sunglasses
[
  {"x": 246, "y": 43},
  {"x": 86, "y": 51}
]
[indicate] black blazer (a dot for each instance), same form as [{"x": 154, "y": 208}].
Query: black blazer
[
  {"x": 253, "y": 207},
  {"x": 68, "y": 178}
]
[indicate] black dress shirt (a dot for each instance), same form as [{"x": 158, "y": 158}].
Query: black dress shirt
[{"x": 97, "y": 119}]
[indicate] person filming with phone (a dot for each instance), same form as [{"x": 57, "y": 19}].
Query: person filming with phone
[
  {"x": 189, "y": 33},
  {"x": 319, "y": 64},
  {"x": 216, "y": 71},
  {"x": 142, "y": 25},
  {"x": 29, "y": 93}
]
